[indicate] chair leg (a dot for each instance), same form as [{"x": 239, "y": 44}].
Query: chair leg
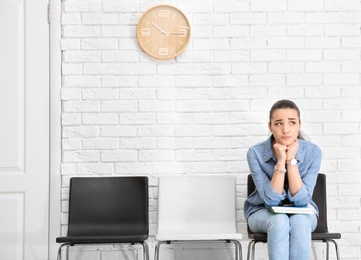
[
  {"x": 251, "y": 250},
  {"x": 328, "y": 249},
  {"x": 237, "y": 244},
  {"x": 60, "y": 249},
  {"x": 336, "y": 248},
  {"x": 144, "y": 245},
  {"x": 238, "y": 249},
  {"x": 157, "y": 249},
  {"x": 145, "y": 251}
]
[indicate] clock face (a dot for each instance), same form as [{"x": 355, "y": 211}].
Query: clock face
[{"x": 163, "y": 32}]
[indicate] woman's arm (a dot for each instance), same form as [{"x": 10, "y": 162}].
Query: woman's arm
[
  {"x": 304, "y": 194},
  {"x": 269, "y": 195}
]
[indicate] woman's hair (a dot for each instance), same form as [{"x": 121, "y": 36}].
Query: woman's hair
[{"x": 286, "y": 104}]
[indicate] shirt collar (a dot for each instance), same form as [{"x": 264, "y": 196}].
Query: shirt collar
[{"x": 268, "y": 152}]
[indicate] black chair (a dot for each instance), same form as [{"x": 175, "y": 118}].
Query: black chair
[
  {"x": 107, "y": 210},
  {"x": 320, "y": 234}
]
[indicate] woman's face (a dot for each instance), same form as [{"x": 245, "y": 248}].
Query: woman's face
[{"x": 285, "y": 125}]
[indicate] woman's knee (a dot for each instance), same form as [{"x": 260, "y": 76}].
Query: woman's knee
[
  {"x": 279, "y": 221},
  {"x": 303, "y": 222}
]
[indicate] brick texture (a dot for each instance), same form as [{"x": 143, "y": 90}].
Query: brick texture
[{"x": 125, "y": 113}]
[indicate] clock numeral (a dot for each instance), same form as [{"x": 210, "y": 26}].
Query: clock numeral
[
  {"x": 163, "y": 51},
  {"x": 164, "y": 13},
  {"x": 182, "y": 32},
  {"x": 145, "y": 32}
]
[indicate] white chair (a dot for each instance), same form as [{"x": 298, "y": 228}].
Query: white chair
[{"x": 199, "y": 208}]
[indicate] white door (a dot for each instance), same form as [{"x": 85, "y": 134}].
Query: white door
[{"x": 24, "y": 130}]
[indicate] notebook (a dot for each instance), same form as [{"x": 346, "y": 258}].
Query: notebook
[{"x": 308, "y": 209}]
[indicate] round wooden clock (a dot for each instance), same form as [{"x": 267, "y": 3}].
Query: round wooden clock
[{"x": 163, "y": 32}]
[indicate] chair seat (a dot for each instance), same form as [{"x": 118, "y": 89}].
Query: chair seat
[
  {"x": 199, "y": 237},
  {"x": 101, "y": 239},
  {"x": 325, "y": 236},
  {"x": 262, "y": 237}
]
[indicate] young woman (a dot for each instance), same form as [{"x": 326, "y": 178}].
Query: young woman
[{"x": 284, "y": 169}]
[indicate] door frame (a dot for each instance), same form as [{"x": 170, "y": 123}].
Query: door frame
[{"x": 55, "y": 126}]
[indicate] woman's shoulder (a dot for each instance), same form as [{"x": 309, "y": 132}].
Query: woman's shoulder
[
  {"x": 261, "y": 149},
  {"x": 308, "y": 145}
]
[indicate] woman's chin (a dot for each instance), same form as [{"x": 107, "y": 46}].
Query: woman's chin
[{"x": 285, "y": 142}]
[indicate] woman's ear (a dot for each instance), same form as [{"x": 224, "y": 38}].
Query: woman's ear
[{"x": 269, "y": 127}]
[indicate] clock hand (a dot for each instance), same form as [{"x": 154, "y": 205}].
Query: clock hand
[{"x": 160, "y": 29}]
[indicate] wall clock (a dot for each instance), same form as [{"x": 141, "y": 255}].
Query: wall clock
[{"x": 163, "y": 32}]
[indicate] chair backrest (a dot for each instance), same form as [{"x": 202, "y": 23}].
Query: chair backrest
[
  {"x": 108, "y": 206},
  {"x": 319, "y": 197},
  {"x": 191, "y": 204}
]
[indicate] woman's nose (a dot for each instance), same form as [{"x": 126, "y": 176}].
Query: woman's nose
[{"x": 285, "y": 129}]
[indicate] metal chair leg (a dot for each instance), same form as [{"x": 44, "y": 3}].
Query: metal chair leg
[
  {"x": 67, "y": 245},
  {"x": 336, "y": 248},
  {"x": 145, "y": 251},
  {"x": 237, "y": 244},
  {"x": 328, "y": 249},
  {"x": 240, "y": 253},
  {"x": 157, "y": 249},
  {"x": 251, "y": 250},
  {"x": 60, "y": 250},
  {"x": 238, "y": 249}
]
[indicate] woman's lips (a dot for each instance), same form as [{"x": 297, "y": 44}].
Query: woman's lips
[{"x": 286, "y": 138}]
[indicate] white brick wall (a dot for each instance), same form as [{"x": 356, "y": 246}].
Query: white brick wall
[{"x": 126, "y": 113}]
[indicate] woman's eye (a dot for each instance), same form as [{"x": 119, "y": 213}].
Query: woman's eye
[{"x": 292, "y": 123}]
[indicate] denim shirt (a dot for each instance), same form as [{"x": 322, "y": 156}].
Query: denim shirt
[{"x": 261, "y": 162}]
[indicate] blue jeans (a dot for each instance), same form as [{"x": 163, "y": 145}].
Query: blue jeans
[{"x": 289, "y": 236}]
